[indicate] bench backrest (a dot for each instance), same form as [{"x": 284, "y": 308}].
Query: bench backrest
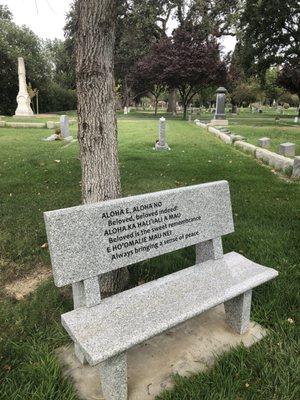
[{"x": 89, "y": 240}]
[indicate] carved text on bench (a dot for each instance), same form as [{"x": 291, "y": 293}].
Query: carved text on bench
[{"x": 143, "y": 227}]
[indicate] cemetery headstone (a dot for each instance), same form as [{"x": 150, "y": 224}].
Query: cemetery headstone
[
  {"x": 287, "y": 149},
  {"x": 161, "y": 143},
  {"x": 296, "y": 120},
  {"x": 264, "y": 142},
  {"x": 125, "y": 110},
  {"x": 23, "y": 98},
  {"x": 64, "y": 127},
  {"x": 219, "y": 116}
]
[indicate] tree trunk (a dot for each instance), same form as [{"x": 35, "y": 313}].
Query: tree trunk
[
  {"x": 97, "y": 130},
  {"x": 172, "y": 101},
  {"x": 184, "y": 110},
  {"x": 156, "y": 104}
]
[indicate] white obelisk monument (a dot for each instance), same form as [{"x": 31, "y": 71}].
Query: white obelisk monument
[{"x": 23, "y": 98}]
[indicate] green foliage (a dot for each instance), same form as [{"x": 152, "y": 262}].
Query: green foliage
[
  {"x": 247, "y": 92},
  {"x": 271, "y": 88},
  {"x": 5, "y": 12},
  {"x": 47, "y": 69},
  {"x": 269, "y": 34},
  {"x": 17, "y": 42}
]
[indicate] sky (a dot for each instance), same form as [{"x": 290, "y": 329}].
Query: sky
[{"x": 46, "y": 18}]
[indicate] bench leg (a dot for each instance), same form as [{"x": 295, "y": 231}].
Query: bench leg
[
  {"x": 113, "y": 374},
  {"x": 238, "y": 312}
]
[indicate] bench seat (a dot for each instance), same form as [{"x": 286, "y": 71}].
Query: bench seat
[{"x": 128, "y": 318}]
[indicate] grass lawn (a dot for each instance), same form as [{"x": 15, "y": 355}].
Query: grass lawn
[
  {"x": 280, "y": 132},
  {"x": 266, "y": 214}
]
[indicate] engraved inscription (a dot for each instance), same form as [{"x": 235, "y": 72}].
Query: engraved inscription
[{"x": 140, "y": 228}]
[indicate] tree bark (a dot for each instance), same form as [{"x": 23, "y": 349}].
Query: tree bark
[
  {"x": 184, "y": 111},
  {"x": 172, "y": 101},
  {"x": 97, "y": 129},
  {"x": 155, "y": 105}
]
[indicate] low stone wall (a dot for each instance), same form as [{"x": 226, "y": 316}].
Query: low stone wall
[
  {"x": 201, "y": 124},
  {"x": 273, "y": 159},
  {"x": 246, "y": 147},
  {"x": 26, "y": 124},
  {"x": 49, "y": 124},
  {"x": 277, "y": 161}
]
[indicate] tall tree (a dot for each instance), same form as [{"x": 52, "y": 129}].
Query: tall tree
[
  {"x": 189, "y": 64},
  {"x": 147, "y": 77},
  {"x": 208, "y": 17},
  {"x": 140, "y": 23},
  {"x": 289, "y": 77},
  {"x": 269, "y": 33},
  {"x": 97, "y": 129}
]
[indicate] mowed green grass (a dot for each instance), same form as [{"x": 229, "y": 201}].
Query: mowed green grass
[
  {"x": 266, "y": 213},
  {"x": 281, "y": 132}
]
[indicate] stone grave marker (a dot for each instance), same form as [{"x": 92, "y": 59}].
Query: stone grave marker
[
  {"x": 287, "y": 149},
  {"x": 264, "y": 142},
  {"x": 219, "y": 116},
  {"x": 64, "y": 127},
  {"x": 23, "y": 98},
  {"x": 161, "y": 143}
]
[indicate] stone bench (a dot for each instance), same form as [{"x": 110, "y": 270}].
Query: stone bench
[{"x": 90, "y": 240}]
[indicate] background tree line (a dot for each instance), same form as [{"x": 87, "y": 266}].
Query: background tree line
[{"x": 186, "y": 64}]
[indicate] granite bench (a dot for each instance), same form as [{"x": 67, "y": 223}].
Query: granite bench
[{"x": 90, "y": 240}]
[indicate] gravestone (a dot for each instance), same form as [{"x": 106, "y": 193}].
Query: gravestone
[
  {"x": 23, "y": 98},
  {"x": 64, "y": 126},
  {"x": 296, "y": 120},
  {"x": 161, "y": 143},
  {"x": 264, "y": 142},
  {"x": 220, "y": 117},
  {"x": 125, "y": 110},
  {"x": 287, "y": 149}
]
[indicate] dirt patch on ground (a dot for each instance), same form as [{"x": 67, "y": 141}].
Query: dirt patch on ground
[{"x": 24, "y": 286}]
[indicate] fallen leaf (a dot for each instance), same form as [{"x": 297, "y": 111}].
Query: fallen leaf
[
  {"x": 44, "y": 246},
  {"x": 57, "y": 161}
]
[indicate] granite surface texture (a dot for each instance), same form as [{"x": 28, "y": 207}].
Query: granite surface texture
[
  {"x": 89, "y": 240},
  {"x": 264, "y": 142},
  {"x": 246, "y": 147},
  {"x": 113, "y": 374},
  {"x": 128, "y": 318},
  {"x": 64, "y": 126},
  {"x": 238, "y": 312},
  {"x": 287, "y": 149},
  {"x": 277, "y": 161},
  {"x": 296, "y": 168}
]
